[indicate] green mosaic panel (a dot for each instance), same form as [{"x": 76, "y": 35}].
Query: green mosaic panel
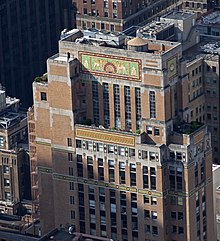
[{"x": 113, "y": 66}]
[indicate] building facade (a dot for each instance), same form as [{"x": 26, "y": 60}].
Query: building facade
[
  {"x": 14, "y": 164},
  {"x": 29, "y": 34},
  {"x": 110, "y": 140},
  {"x": 118, "y": 15},
  {"x": 199, "y": 6}
]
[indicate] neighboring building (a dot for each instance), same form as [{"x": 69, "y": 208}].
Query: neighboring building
[
  {"x": 54, "y": 235},
  {"x": 119, "y": 15},
  {"x": 14, "y": 164},
  {"x": 175, "y": 26},
  {"x": 217, "y": 196},
  {"x": 209, "y": 25},
  {"x": 141, "y": 170},
  {"x": 29, "y": 31},
  {"x": 66, "y": 235},
  {"x": 200, "y": 65},
  {"x": 200, "y": 6},
  {"x": 216, "y": 199}
]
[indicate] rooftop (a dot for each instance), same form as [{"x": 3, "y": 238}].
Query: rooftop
[
  {"x": 215, "y": 167},
  {"x": 211, "y": 18},
  {"x": 154, "y": 27},
  {"x": 177, "y": 15},
  {"x": 64, "y": 235},
  {"x": 211, "y": 47},
  {"x": 187, "y": 128},
  {"x": 94, "y": 37},
  {"x": 8, "y": 119}
]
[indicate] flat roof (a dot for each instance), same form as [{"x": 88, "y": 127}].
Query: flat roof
[
  {"x": 17, "y": 237},
  {"x": 178, "y": 15},
  {"x": 8, "y": 119},
  {"x": 211, "y": 18},
  {"x": 155, "y": 27},
  {"x": 211, "y": 47}
]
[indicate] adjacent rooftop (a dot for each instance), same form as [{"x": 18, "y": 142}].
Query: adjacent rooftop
[
  {"x": 211, "y": 18},
  {"x": 98, "y": 38},
  {"x": 177, "y": 15}
]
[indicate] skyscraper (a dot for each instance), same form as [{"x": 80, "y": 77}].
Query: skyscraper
[
  {"x": 113, "y": 153},
  {"x": 29, "y": 31}
]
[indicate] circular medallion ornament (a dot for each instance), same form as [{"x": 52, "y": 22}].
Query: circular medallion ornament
[
  {"x": 110, "y": 68},
  {"x": 172, "y": 67}
]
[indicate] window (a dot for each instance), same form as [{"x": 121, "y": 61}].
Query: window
[
  {"x": 101, "y": 172},
  {"x": 117, "y": 106},
  {"x": 172, "y": 200},
  {"x": 146, "y": 199},
  {"x": 95, "y": 99},
  {"x": 146, "y": 214},
  {"x": 152, "y": 104},
  {"x": 154, "y": 230},
  {"x": 156, "y": 131},
  {"x": 149, "y": 130},
  {"x": 154, "y": 215},
  {"x": 90, "y": 167},
  {"x": 69, "y": 141},
  {"x": 1, "y": 141},
  {"x": 180, "y": 215},
  {"x": 145, "y": 177},
  {"x": 70, "y": 157},
  {"x": 127, "y": 98},
  {"x": 71, "y": 185},
  {"x": 43, "y": 96},
  {"x": 79, "y": 165},
  {"x": 133, "y": 167},
  {"x": 181, "y": 230},
  {"x": 6, "y": 182},
  {"x": 72, "y": 214},
  {"x": 106, "y": 4},
  {"x": 153, "y": 178},
  {"x": 174, "y": 229},
  {"x": 138, "y": 107},
  {"x": 180, "y": 201},
  {"x": 71, "y": 200},
  {"x": 153, "y": 201},
  {"x": 78, "y": 144},
  {"x": 7, "y": 195},
  {"x": 6, "y": 169},
  {"x": 102, "y": 27},
  {"x": 106, "y": 99},
  {"x": 173, "y": 214},
  {"x": 70, "y": 171},
  {"x": 147, "y": 228},
  {"x": 133, "y": 179}
]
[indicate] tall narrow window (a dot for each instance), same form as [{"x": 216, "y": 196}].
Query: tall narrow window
[
  {"x": 152, "y": 104},
  {"x": 117, "y": 106},
  {"x": 145, "y": 177},
  {"x": 69, "y": 142},
  {"x": 106, "y": 104},
  {"x": 153, "y": 178},
  {"x": 138, "y": 107},
  {"x": 127, "y": 94},
  {"x": 90, "y": 167},
  {"x": 95, "y": 99}
]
